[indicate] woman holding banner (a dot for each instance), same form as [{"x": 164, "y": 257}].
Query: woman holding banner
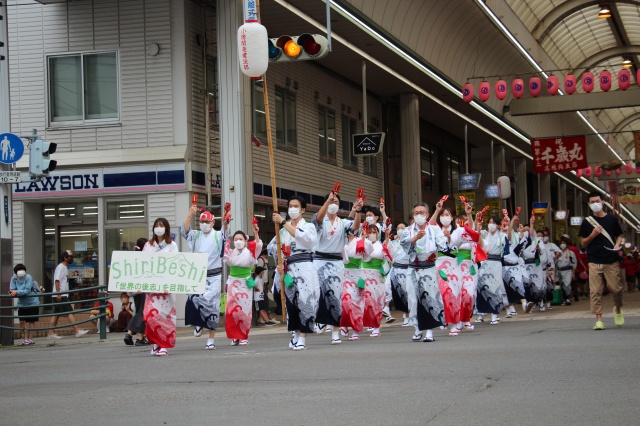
[
  {"x": 160, "y": 308},
  {"x": 241, "y": 260}
]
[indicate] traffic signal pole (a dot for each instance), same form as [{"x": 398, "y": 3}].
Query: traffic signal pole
[{"x": 6, "y": 243}]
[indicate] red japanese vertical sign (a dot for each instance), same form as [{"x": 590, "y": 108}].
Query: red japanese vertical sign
[{"x": 559, "y": 154}]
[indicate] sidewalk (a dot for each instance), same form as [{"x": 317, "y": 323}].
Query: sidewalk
[{"x": 577, "y": 310}]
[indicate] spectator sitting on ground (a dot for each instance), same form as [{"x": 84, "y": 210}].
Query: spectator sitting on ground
[
  {"x": 126, "y": 313},
  {"x": 109, "y": 311}
]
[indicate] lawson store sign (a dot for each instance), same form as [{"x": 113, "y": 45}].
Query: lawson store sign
[{"x": 112, "y": 180}]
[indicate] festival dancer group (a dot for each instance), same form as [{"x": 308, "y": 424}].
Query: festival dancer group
[{"x": 340, "y": 274}]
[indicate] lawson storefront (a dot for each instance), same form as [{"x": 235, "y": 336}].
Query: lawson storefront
[{"x": 93, "y": 212}]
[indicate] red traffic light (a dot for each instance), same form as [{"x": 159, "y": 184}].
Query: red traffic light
[
  {"x": 309, "y": 44},
  {"x": 301, "y": 48}
]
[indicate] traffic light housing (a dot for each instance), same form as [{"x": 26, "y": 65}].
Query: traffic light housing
[
  {"x": 301, "y": 48},
  {"x": 40, "y": 163}
]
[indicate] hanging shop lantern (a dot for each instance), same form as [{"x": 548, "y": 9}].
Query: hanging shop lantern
[
  {"x": 628, "y": 168},
  {"x": 535, "y": 86},
  {"x": 579, "y": 173},
  {"x": 517, "y": 88},
  {"x": 484, "y": 91},
  {"x": 570, "y": 84},
  {"x": 467, "y": 92},
  {"x": 605, "y": 81},
  {"x": 624, "y": 79},
  {"x": 501, "y": 89},
  {"x": 588, "y": 172},
  {"x": 253, "y": 49},
  {"x": 598, "y": 171},
  {"x": 619, "y": 171},
  {"x": 607, "y": 173},
  {"x": 587, "y": 81},
  {"x": 552, "y": 85}
]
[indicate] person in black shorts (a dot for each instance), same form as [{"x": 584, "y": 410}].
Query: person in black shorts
[{"x": 25, "y": 289}]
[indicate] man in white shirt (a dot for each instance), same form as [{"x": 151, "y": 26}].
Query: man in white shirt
[{"x": 61, "y": 286}]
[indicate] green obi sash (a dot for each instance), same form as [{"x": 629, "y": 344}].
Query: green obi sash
[
  {"x": 354, "y": 263},
  {"x": 242, "y": 272},
  {"x": 373, "y": 264}
]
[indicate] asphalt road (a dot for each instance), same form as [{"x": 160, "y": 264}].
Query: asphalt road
[{"x": 544, "y": 372}]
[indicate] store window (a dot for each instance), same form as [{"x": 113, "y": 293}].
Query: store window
[
  {"x": 348, "y": 129},
  {"x": 126, "y": 210},
  {"x": 83, "y": 88},
  {"x": 327, "y": 134},
  {"x": 429, "y": 168},
  {"x": 286, "y": 130},
  {"x": 212, "y": 89},
  {"x": 259, "y": 114}
]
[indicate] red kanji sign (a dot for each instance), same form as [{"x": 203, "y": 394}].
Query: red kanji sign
[{"x": 559, "y": 154}]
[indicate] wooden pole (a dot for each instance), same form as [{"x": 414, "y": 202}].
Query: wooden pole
[
  {"x": 274, "y": 193},
  {"x": 273, "y": 190}
]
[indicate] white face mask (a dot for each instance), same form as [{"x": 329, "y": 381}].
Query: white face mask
[
  {"x": 333, "y": 208},
  {"x": 294, "y": 213},
  {"x": 158, "y": 231},
  {"x": 205, "y": 227},
  {"x": 545, "y": 239},
  {"x": 370, "y": 220},
  {"x": 21, "y": 273},
  {"x": 373, "y": 238},
  {"x": 446, "y": 220},
  {"x": 563, "y": 246},
  {"x": 420, "y": 219},
  {"x": 239, "y": 244},
  {"x": 492, "y": 227},
  {"x": 596, "y": 207}
]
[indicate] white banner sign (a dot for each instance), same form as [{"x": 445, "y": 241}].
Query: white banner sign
[{"x": 157, "y": 272}]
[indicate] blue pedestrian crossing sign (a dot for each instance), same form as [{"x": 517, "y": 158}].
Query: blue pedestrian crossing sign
[{"x": 11, "y": 148}]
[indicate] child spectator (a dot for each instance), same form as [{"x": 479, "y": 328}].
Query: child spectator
[
  {"x": 259, "y": 297},
  {"x": 109, "y": 311},
  {"x": 629, "y": 272},
  {"x": 126, "y": 313}
]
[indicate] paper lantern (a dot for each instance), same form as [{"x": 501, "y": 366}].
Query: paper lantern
[
  {"x": 598, "y": 171},
  {"x": 535, "y": 86},
  {"x": 587, "y": 81},
  {"x": 607, "y": 173},
  {"x": 467, "y": 92},
  {"x": 253, "y": 49},
  {"x": 570, "y": 84},
  {"x": 638, "y": 170},
  {"x": 605, "y": 81},
  {"x": 624, "y": 79},
  {"x": 553, "y": 85},
  {"x": 619, "y": 171},
  {"x": 504, "y": 187},
  {"x": 579, "y": 173},
  {"x": 628, "y": 168},
  {"x": 501, "y": 89},
  {"x": 484, "y": 91},
  {"x": 588, "y": 172},
  {"x": 517, "y": 88}
]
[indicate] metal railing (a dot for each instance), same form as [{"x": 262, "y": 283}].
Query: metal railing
[{"x": 65, "y": 301}]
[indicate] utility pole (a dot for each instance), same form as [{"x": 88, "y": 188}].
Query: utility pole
[{"x": 6, "y": 246}]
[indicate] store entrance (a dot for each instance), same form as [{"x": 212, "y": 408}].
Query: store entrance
[{"x": 73, "y": 227}]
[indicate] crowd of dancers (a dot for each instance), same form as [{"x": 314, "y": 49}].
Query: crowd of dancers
[{"x": 341, "y": 274}]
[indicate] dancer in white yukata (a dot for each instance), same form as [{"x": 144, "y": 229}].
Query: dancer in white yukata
[
  {"x": 302, "y": 289},
  {"x": 327, "y": 259},
  {"x": 203, "y": 310},
  {"x": 512, "y": 265},
  {"x": 553, "y": 253},
  {"x": 421, "y": 242},
  {"x": 241, "y": 259},
  {"x": 398, "y": 275},
  {"x": 567, "y": 264},
  {"x": 535, "y": 261},
  {"x": 374, "y": 267},
  {"x": 491, "y": 295},
  {"x": 353, "y": 287}
]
